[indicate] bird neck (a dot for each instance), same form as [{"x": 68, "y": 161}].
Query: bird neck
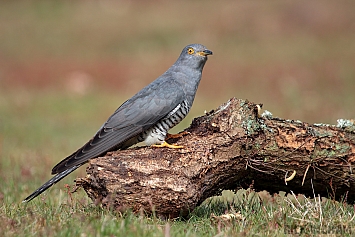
[{"x": 189, "y": 79}]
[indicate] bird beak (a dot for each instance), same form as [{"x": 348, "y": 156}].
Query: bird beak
[{"x": 205, "y": 52}]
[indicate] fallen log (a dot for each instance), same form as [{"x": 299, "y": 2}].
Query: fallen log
[{"x": 228, "y": 148}]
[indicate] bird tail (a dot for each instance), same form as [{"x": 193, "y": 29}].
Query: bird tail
[{"x": 50, "y": 182}]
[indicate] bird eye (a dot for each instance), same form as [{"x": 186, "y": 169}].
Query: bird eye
[{"x": 190, "y": 51}]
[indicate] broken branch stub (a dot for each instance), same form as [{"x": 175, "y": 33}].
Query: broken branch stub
[{"x": 228, "y": 148}]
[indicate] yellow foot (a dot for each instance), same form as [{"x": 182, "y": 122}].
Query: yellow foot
[
  {"x": 165, "y": 144},
  {"x": 181, "y": 134}
]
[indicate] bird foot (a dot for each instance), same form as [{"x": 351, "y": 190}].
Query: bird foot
[
  {"x": 165, "y": 144},
  {"x": 178, "y": 135}
]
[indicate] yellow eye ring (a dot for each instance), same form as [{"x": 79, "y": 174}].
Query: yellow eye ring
[{"x": 190, "y": 51}]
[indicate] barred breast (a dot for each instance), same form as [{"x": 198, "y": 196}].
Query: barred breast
[{"x": 157, "y": 134}]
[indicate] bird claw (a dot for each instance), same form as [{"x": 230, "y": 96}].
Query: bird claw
[
  {"x": 165, "y": 144},
  {"x": 178, "y": 135}
]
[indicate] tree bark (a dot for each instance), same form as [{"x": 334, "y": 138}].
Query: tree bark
[{"x": 229, "y": 148}]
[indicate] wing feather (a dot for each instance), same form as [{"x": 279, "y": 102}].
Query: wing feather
[{"x": 133, "y": 117}]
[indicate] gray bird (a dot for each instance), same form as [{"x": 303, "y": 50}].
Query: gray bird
[{"x": 147, "y": 116}]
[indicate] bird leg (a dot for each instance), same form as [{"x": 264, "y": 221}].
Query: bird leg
[
  {"x": 171, "y": 136},
  {"x": 165, "y": 144},
  {"x": 178, "y": 135}
]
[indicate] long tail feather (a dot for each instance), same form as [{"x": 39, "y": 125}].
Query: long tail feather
[{"x": 50, "y": 182}]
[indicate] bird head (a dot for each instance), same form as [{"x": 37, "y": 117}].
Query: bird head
[{"x": 194, "y": 55}]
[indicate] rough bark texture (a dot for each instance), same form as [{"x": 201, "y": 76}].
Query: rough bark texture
[{"x": 228, "y": 148}]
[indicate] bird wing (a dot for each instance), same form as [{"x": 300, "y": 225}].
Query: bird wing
[{"x": 133, "y": 117}]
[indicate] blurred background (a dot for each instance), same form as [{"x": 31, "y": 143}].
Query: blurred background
[{"x": 65, "y": 66}]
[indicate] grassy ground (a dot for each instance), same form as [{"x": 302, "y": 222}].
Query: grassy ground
[{"x": 66, "y": 66}]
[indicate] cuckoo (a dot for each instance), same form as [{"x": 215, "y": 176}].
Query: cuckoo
[{"x": 147, "y": 116}]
